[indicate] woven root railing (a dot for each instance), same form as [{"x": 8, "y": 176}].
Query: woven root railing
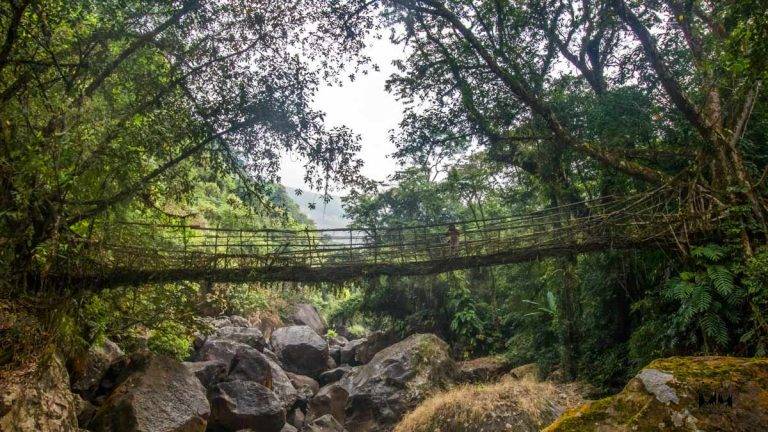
[{"x": 135, "y": 252}]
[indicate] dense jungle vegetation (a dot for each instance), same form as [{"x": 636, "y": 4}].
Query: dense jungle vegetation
[{"x": 177, "y": 111}]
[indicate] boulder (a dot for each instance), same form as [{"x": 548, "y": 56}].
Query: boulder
[
  {"x": 238, "y": 321},
  {"x": 219, "y": 349},
  {"x": 482, "y": 369},
  {"x": 335, "y": 353},
  {"x": 209, "y": 372},
  {"x": 396, "y": 380},
  {"x": 305, "y": 386},
  {"x": 374, "y": 342},
  {"x": 224, "y": 321},
  {"x": 300, "y": 350},
  {"x": 239, "y": 405},
  {"x": 326, "y": 423},
  {"x": 118, "y": 372},
  {"x": 526, "y": 371},
  {"x": 271, "y": 355},
  {"x": 306, "y": 314},
  {"x": 510, "y": 405},
  {"x": 331, "y": 399},
  {"x": 338, "y": 341},
  {"x": 333, "y": 375},
  {"x": 250, "y": 365},
  {"x": 681, "y": 394},
  {"x": 250, "y": 336},
  {"x": 348, "y": 352},
  {"x": 39, "y": 400},
  {"x": 159, "y": 395},
  {"x": 282, "y": 386},
  {"x": 330, "y": 363},
  {"x": 85, "y": 412},
  {"x": 288, "y": 428},
  {"x": 334, "y": 347},
  {"x": 244, "y": 362},
  {"x": 88, "y": 370},
  {"x": 296, "y": 418}
]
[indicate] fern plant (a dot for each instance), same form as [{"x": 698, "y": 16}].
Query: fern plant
[
  {"x": 708, "y": 295},
  {"x": 466, "y": 322}
]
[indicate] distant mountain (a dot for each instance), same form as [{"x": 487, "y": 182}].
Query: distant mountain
[{"x": 324, "y": 215}]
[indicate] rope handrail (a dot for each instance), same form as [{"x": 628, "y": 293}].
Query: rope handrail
[{"x": 248, "y": 253}]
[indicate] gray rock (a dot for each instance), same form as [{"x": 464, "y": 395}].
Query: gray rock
[
  {"x": 331, "y": 399},
  {"x": 306, "y": 314},
  {"x": 333, "y": 375},
  {"x": 483, "y": 369},
  {"x": 296, "y": 418},
  {"x": 246, "y": 404},
  {"x": 282, "y": 386},
  {"x": 397, "y": 379},
  {"x": 209, "y": 372},
  {"x": 219, "y": 349},
  {"x": 250, "y": 336},
  {"x": 337, "y": 341},
  {"x": 238, "y": 321},
  {"x": 334, "y": 347},
  {"x": 249, "y": 364},
  {"x": 330, "y": 363},
  {"x": 288, "y": 428},
  {"x": 159, "y": 395},
  {"x": 271, "y": 355},
  {"x": 655, "y": 382},
  {"x": 85, "y": 412},
  {"x": 89, "y": 370},
  {"x": 42, "y": 402},
  {"x": 305, "y": 386},
  {"x": 348, "y": 352},
  {"x": 216, "y": 322},
  {"x": 326, "y": 423},
  {"x": 300, "y": 350},
  {"x": 374, "y": 343},
  {"x": 335, "y": 353}
]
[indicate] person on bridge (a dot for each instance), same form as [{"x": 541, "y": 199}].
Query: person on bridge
[{"x": 453, "y": 239}]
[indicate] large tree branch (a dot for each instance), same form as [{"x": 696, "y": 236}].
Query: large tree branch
[
  {"x": 174, "y": 84},
  {"x": 522, "y": 93},
  {"x": 12, "y": 33},
  {"x": 668, "y": 82},
  {"x": 189, "y": 6},
  {"x": 132, "y": 190}
]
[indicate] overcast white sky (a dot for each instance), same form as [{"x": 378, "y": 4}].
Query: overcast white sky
[{"x": 367, "y": 108}]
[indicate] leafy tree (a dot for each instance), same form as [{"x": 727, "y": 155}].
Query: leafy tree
[{"x": 102, "y": 102}]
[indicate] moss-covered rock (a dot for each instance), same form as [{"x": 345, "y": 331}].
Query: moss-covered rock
[{"x": 681, "y": 394}]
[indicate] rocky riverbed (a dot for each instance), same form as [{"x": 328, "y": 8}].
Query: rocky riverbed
[{"x": 245, "y": 377}]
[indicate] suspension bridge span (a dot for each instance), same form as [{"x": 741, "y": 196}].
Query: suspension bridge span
[{"x": 137, "y": 253}]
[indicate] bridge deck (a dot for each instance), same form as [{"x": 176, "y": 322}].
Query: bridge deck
[{"x": 136, "y": 253}]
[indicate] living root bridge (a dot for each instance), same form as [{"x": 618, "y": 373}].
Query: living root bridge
[
  {"x": 344, "y": 272},
  {"x": 140, "y": 253}
]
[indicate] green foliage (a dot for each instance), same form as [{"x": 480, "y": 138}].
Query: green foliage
[
  {"x": 756, "y": 283},
  {"x": 466, "y": 324},
  {"x": 239, "y": 299},
  {"x": 172, "y": 339},
  {"x": 548, "y": 309},
  {"x": 708, "y": 295}
]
